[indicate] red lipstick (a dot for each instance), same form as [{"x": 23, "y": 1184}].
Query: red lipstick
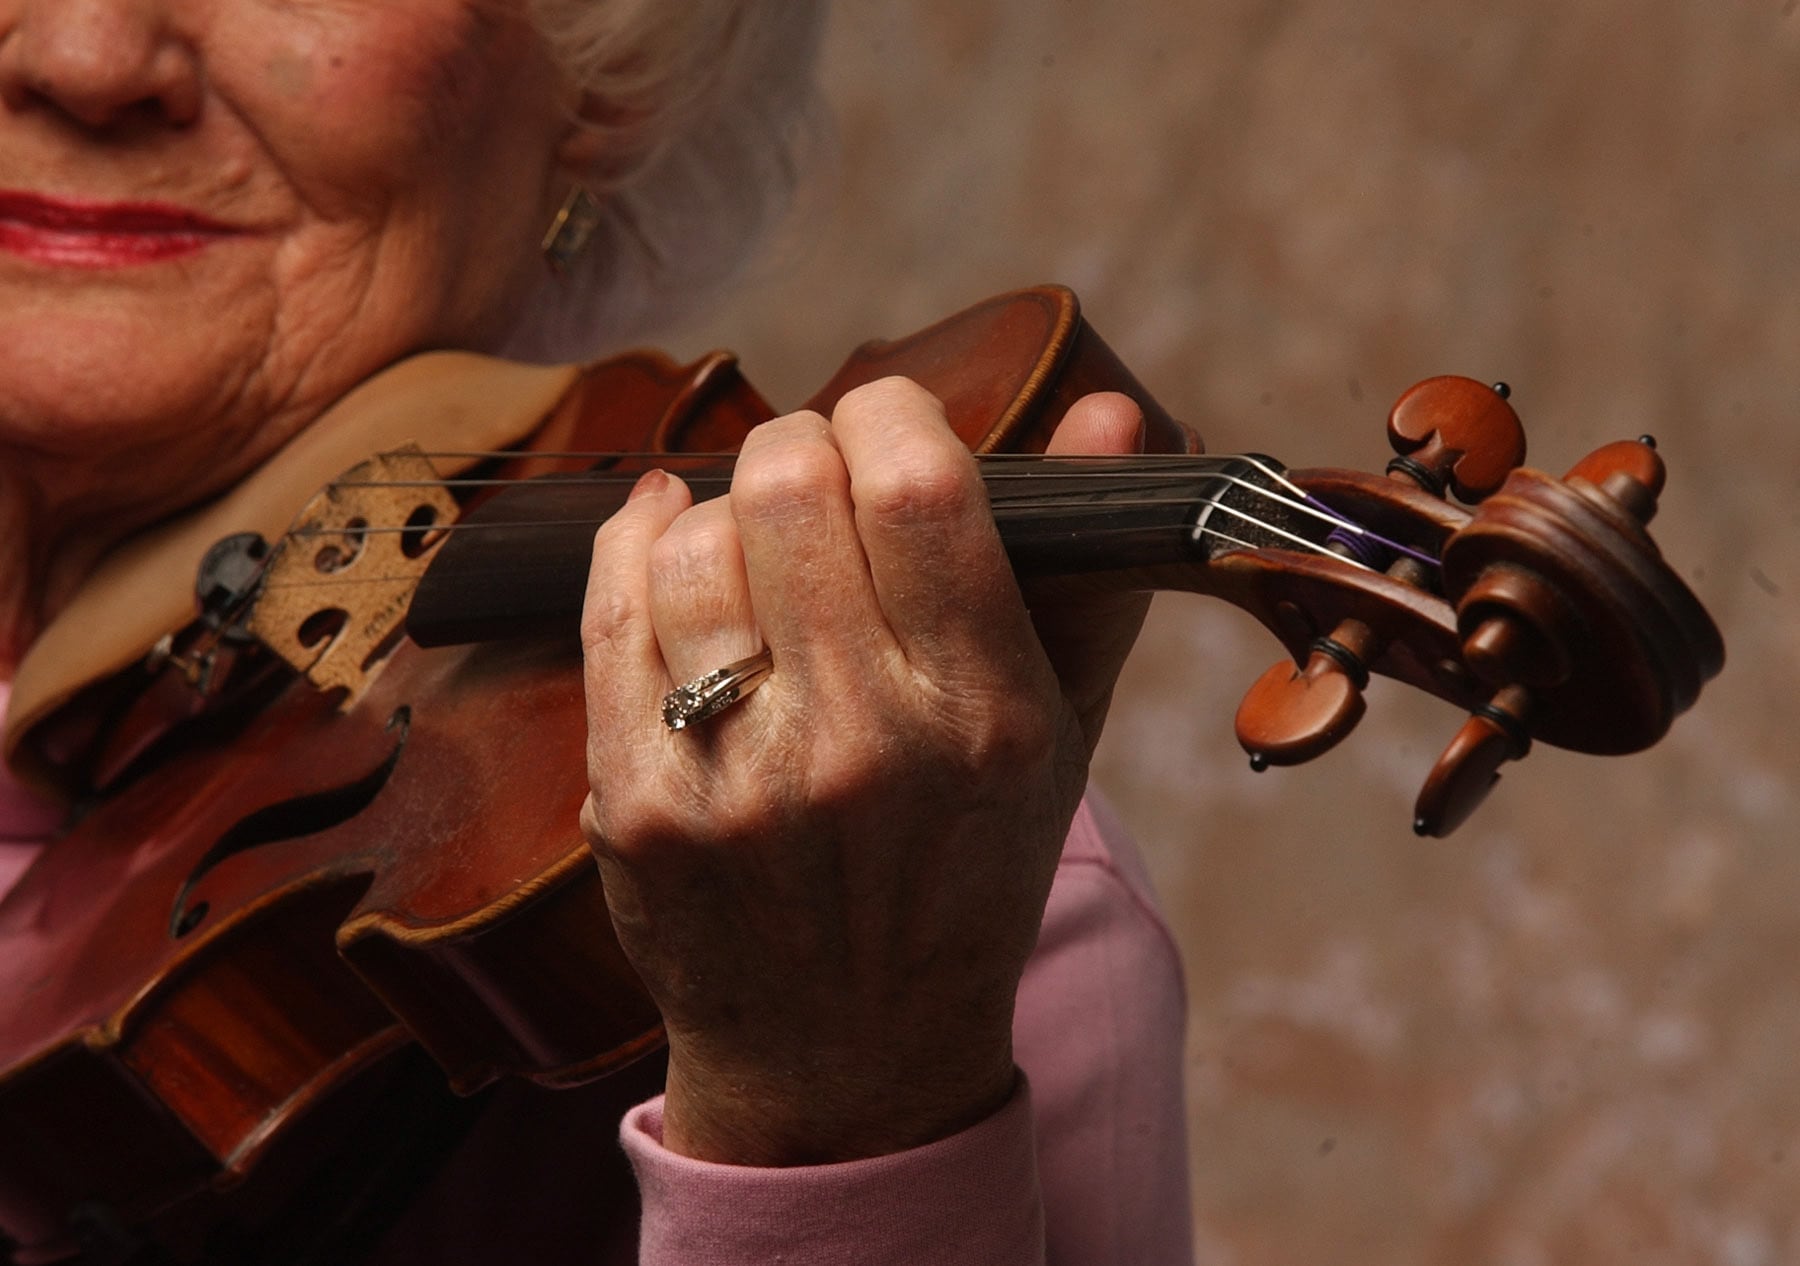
[{"x": 101, "y": 234}]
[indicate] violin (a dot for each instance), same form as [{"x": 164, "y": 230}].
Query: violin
[{"x": 366, "y": 843}]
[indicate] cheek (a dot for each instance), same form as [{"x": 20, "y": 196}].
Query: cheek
[
  {"x": 383, "y": 97},
  {"x": 288, "y": 75},
  {"x": 414, "y": 141}
]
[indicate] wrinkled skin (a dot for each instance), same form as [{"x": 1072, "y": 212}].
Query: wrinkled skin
[
  {"x": 831, "y": 889},
  {"x": 377, "y": 177}
]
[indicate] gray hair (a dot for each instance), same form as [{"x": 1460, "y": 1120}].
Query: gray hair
[{"x": 708, "y": 107}]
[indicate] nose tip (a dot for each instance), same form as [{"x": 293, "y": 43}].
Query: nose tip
[{"x": 98, "y": 63}]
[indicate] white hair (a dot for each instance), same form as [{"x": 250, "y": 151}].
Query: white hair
[{"x": 707, "y": 108}]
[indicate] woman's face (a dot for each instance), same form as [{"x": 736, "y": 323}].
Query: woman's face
[{"x": 218, "y": 215}]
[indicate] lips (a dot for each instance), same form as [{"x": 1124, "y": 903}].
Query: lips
[{"x": 102, "y": 234}]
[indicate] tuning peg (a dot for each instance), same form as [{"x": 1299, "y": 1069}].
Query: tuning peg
[
  {"x": 1458, "y": 434},
  {"x": 1294, "y": 713},
  {"x": 1469, "y": 768},
  {"x": 1628, "y": 472}
]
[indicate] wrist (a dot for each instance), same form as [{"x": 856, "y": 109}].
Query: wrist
[{"x": 808, "y": 1112}]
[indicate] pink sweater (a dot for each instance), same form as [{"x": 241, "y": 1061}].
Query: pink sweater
[{"x": 1085, "y": 1167}]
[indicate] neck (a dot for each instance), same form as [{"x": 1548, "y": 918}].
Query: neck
[
  {"x": 71, "y": 490},
  {"x": 53, "y": 537},
  {"x": 23, "y": 570}
]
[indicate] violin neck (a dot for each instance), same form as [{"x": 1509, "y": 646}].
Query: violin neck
[
  {"x": 517, "y": 565},
  {"x": 1067, "y": 516}
]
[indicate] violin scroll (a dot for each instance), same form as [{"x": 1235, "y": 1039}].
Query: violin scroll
[
  {"x": 1570, "y": 616},
  {"x": 1559, "y": 621}
]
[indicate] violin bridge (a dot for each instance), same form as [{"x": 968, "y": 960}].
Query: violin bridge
[{"x": 335, "y": 592}]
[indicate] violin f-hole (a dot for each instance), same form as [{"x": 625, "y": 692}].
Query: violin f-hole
[{"x": 288, "y": 820}]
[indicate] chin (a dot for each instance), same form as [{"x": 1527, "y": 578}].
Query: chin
[{"x": 108, "y": 385}]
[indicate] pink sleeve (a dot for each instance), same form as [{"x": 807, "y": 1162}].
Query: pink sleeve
[
  {"x": 25, "y": 820},
  {"x": 1099, "y": 1028},
  {"x": 1093, "y": 1157},
  {"x": 969, "y": 1199}
]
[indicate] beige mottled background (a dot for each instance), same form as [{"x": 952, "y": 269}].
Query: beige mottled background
[{"x": 1569, "y": 1034}]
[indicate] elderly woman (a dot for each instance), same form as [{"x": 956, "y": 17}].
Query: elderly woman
[{"x": 217, "y": 220}]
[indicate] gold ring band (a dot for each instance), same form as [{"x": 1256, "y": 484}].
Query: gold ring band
[{"x": 711, "y": 694}]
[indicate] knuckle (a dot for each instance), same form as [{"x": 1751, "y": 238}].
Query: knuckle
[
  {"x": 650, "y": 807},
  {"x": 802, "y": 423},
  {"x": 593, "y": 827},
  {"x": 624, "y": 817},
  {"x": 695, "y": 548},
  {"x": 747, "y": 820},
  {"x": 786, "y": 476},
  {"x": 918, "y": 485},
  {"x": 924, "y": 472},
  {"x": 779, "y": 434},
  {"x": 845, "y": 774},
  {"x": 999, "y": 740},
  {"x": 1004, "y": 745},
  {"x": 609, "y": 618},
  {"x": 887, "y": 398},
  {"x": 609, "y": 614}
]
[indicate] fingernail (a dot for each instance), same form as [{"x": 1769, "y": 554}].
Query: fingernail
[{"x": 649, "y": 483}]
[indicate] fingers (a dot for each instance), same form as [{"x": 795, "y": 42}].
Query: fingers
[
  {"x": 668, "y": 602},
  {"x": 873, "y": 531},
  {"x": 807, "y": 575},
  {"x": 936, "y": 565},
  {"x": 1105, "y": 422},
  {"x": 852, "y": 549},
  {"x": 699, "y": 593},
  {"x": 1088, "y": 638},
  {"x": 625, "y": 673}
]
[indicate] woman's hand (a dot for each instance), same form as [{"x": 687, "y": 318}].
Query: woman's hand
[{"x": 831, "y": 888}]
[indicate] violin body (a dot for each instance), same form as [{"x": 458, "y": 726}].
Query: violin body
[
  {"x": 222, "y": 949},
  {"x": 234, "y": 947}
]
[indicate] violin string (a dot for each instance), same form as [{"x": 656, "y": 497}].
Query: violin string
[
  {"x": 1277, "y": 530},
  {"x": 1300, "y": 501},
  {"x": 1158, "y": 470},
  {"x": 1044, "y": 467},
  {"x": 1019, "y": 512},
  {"x": 1191, "y": 530},
  {"x": 1303, "y": 497},
  {"x": 1078, "y": 468},
  {"x": 727, "y": 457},
  {"x": 1295, "y": 498},
  {"x": 1165, "y": 478},
  {"x": 1186, "y": 529},
  {"x": 614, "y": 481}
]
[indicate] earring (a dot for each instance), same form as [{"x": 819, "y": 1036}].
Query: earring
[{"x": 571, "y": 230}]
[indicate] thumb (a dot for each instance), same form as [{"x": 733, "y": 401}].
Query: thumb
[{"x": 1087, "y": 633}]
